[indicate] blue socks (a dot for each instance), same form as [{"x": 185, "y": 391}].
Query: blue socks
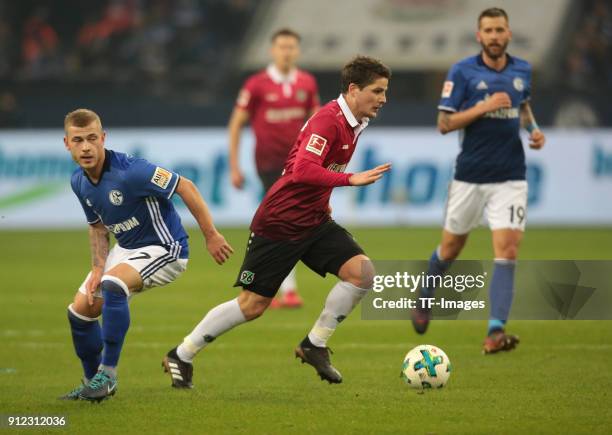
[
  {"x": 501, "y": 289},
  {"x": 437, "y": 267},
  {"x": 116, "y": 320},
  {"x": 87, "y": 340},
  {"x": 501, "y": 292}
]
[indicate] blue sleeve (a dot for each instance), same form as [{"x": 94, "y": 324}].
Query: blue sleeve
[
  {"x": 527, "y": 90},
  {"x": 453, "y": 91},
  {"x": 90, "y": 214},
  {"x": 146, "y": 179}
]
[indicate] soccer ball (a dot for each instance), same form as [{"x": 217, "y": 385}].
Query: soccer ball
[{"x": 426, "y": 366}]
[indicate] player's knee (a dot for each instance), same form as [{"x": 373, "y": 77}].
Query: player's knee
[
  {"x": 366, "y": 277},
  {"x": 81, "y": 307},
  {"x": 253, "y": 305},
  {"x": 450, "y": 249},
  {"x": 113, "y": 287},
  {"x": 76, "y": 318},
  {"x": 508, "y": 252},
  {"x": 358, "y": 271},
  {"x": 253, "y": 310},
  {"x": 507, "y": 248}
]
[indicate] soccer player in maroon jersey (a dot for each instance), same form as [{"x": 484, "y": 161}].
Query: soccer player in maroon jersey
[
  {"x": 276, "y": 101},
  {"x": 293, "y": 223}
]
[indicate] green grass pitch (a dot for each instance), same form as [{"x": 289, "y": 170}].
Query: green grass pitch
[{"x": 558, "y": 380}]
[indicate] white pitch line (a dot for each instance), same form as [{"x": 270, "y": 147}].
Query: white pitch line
[
  {"x": 350, "y": 345},
  {"x": 139, "y": 329}
]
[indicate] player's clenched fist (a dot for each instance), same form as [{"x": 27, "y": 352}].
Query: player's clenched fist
[
  {"x": 237, "y": 178},
  {"x": 499, "y": 100},
  {"x": 370, "y": 176},
  {"x": 536, "y": 140},
  {"x": 218, "y": 248}
]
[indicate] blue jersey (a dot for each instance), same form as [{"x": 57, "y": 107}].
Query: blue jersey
[
  {"x": 132, "y": 200},
  {"x": 491, "y": 147}
]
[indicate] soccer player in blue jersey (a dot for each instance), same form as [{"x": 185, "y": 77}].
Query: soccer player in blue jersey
[
  {"x": 130, "y": 198},
  {"x": 487, "y": 97}
]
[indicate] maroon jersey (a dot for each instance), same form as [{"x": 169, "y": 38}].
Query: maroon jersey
[
  {"x": 277, "y": 106},
  {"x": 299, "y": 201}
]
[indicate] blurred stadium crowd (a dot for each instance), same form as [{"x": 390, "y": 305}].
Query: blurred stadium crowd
[
  {"x": 117, "y": 40},
  {"x": 181, "y": 58},
  {"x": 589, "y": 58}
]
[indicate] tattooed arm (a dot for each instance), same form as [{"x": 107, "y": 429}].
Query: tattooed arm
[
  {"x": 450, "y": 121},
  {"x": 99, "y": 242},
  {"x": 528, "y": 122}
]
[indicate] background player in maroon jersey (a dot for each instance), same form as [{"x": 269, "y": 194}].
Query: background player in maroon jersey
[
  {"x": 277, "y": 101},
  {"x": 293, "y": 223}
]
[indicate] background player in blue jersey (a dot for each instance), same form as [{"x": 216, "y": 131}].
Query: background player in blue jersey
[
  {"x": 487, "y": 97},
  {"x": 130, "y": 198}
]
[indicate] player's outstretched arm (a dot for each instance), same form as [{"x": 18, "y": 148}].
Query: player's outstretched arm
[
  {"x": 237, "y": 121},
  {"x": 370, "y": 176},
  {"x": 451, "y": 121},
  {"x": 218, "y": 248},
  {"x": 528, "y": 122},
  {"x": 99, "y": 243}
]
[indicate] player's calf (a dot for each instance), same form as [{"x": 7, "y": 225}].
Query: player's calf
[
  {"x": 421, "y": 315},
  {"x": 216, "y": 322},
  {"x": 116, "y": 318},
  {"x": 87, "y": 340}
]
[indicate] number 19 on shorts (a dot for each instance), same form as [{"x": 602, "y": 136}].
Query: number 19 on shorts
[{"x": 517, "y": 214}]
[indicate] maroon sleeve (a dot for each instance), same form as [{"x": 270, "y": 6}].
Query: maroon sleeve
[
  {"x": 314, "y": 103},
  {"x": 319, "y": 135},
  {"x": 307, "y": 172},
  {"x": 320, "y": 132},
  {"x": 247, "y": 98}
]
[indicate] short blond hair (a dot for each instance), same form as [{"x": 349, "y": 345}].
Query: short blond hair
[{"x": 81, "y": 118}]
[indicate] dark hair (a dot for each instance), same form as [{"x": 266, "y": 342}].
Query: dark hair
[
  {"x": 493, "y": 13},
  {"x": 285, "y": 31},
  {"x": 363, "y": 71}
]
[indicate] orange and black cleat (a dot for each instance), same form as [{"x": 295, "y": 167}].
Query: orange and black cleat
[
  {"x": 290, "y": 299},
  {"x": 499, "y": 341}
]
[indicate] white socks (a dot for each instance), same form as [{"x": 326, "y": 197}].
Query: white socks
[
  {"x": 220, "y": 319},
  {"x": 341, "y": 300},
  {"x": 289, "y": 283}
]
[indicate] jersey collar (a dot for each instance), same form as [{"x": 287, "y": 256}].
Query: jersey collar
[
  {"x": 350, "y": 118},
  {"x": 105, "y": 167},
  {"x": 481, "y": 62},
  {"x": 279, "y": 78}
]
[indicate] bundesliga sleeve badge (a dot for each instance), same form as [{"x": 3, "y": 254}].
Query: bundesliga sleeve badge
[
  {"x": 447, "y": 90},
  {"x": 161, "y": 177},
  {"x": 316, "y": 144},
  {"x": 243, "y": 98}
]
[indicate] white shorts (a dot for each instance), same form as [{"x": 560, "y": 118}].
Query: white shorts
[
  {"x": 155, "y": 265},
  {"x": 504, "y": 204}
]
